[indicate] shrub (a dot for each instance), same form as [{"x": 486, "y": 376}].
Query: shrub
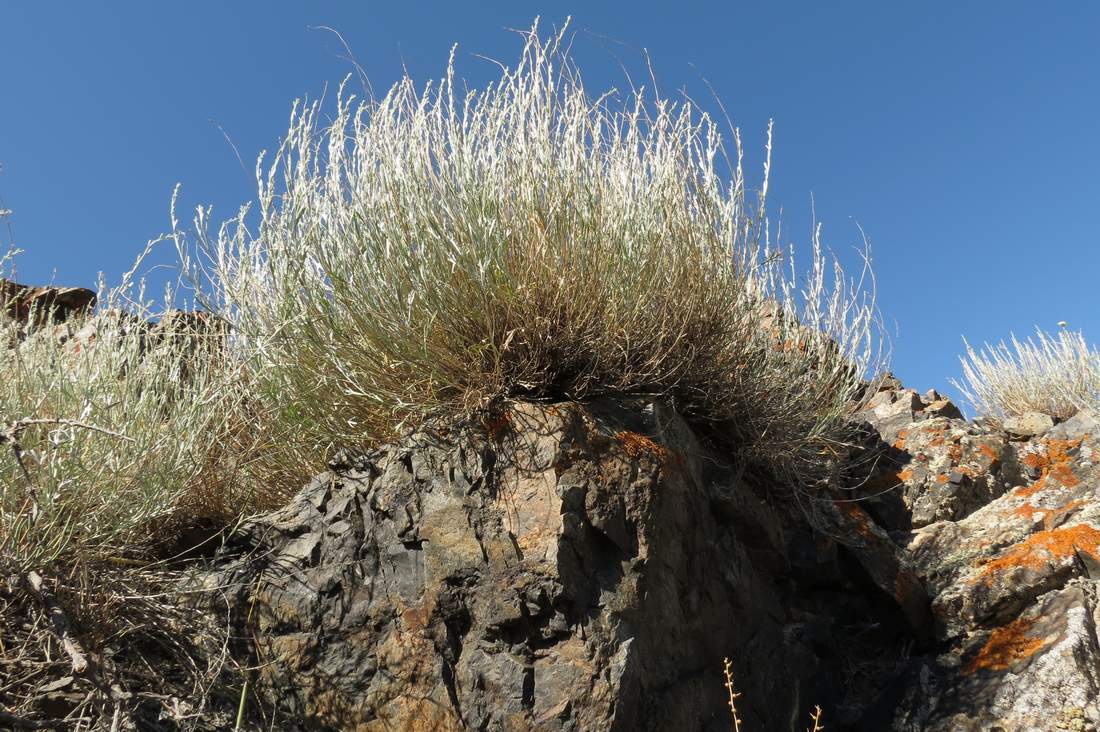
[
  {"x": 440, "y": 250},
  {"x": 1058, "y": 375},
  {"x": 121, "y": 431},
  {"x": 113, "y": 429}
]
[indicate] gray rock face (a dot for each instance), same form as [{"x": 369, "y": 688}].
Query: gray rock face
[
  {"x": 931, "y": 465},
  {"x": 566, "y": 568},
  {"x": 1085, "y": 422}
]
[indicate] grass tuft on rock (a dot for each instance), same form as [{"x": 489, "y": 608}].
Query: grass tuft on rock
[
  {"x": 439, "y": 250},
  {"x": 1057, "y": 375}
]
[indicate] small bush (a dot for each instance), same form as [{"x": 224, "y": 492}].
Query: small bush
[
  {"x": 1058, "y": 375},
  {"x": 439, "y": 250},
  {"x": 115, "y": 428},
  {"x": 125, "y": 434}
]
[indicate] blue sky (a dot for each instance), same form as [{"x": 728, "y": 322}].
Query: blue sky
[{"x": 963, "y": 137}]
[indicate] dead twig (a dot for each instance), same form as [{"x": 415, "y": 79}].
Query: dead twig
[
  {"x": 727, "y": 670},
  {"x": 14, "y": 429},
  {"x": 58, "y": 620}
]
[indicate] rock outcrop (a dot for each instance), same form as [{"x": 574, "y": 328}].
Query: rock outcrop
[
  {"x": 53, "y": 304},
  {"x": 563, "y": 568},
  {"x": 587, "y": 568},
  {"x": 1014, "y": 589},
  {"x": 1002, "y": 526}
]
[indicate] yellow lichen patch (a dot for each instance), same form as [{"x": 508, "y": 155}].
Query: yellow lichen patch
[
  {"x": 1005, "y": 646},
  {"x": 1045, "y": 547},
  {"x": 638, "y": 446}
]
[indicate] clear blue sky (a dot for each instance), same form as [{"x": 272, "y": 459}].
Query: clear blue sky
[{"x": 963, "y": 136}]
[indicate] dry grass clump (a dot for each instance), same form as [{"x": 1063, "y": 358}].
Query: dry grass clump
[
  {"x": 113, "y": 428},
  {"x": 434, "y": 252},
  {"x": 1057, "y": 375},
  {"x": 441, "y": 249}
]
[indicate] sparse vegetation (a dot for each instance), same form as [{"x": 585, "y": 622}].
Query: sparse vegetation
[
  {"x": 1057, "y": 375},
  {"x": 122, "y": 440},
  {"x": 733, "y": 695}
]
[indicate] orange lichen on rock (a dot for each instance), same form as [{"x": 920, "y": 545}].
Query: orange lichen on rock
[
  {"x": 908, "y": 589},
  {"x": 1064, "y": 474},
  {"x": 899, "y": 444},
  {"x": 988, "y": 451},
  {"x": 859, "y": 517},
  {"x": 905, "y": 475},
  {"x": 1045, "y": 547},
  {"x": 1051, "y": 516},
  {"x": 1005, "y": 647},
  {"x": 1026, "y": 491},
  {"x": 1035, "y": 460},
  {"x": 1054, "y": 462},
  {"x": 638, "y": 446}
]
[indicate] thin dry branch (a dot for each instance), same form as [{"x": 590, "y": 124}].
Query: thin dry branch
[
  {"x": 14, "y": 429},
  {"x": 58, "y": 620}
]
